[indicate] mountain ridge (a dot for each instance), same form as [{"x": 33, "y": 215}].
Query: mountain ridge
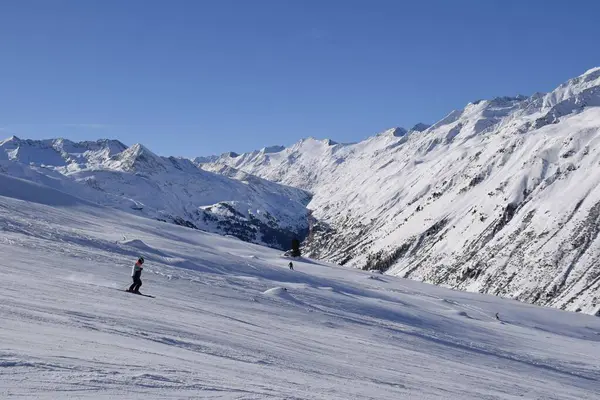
[
  {"x": 171, "y": 189},
  {"x": 500, "y": 197},
  {"x": 466, "y": 202}
]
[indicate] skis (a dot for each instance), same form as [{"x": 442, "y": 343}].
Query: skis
[
  {"x": 139, "y": 294},
  {"x": 145, "y": 295}
]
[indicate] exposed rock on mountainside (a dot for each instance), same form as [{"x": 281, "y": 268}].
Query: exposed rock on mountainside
[
  {"x": 170, "y": 189},
  {"x": 500, "y": 197}
]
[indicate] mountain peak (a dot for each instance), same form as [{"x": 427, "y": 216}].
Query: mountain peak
[
  {"x": 588, "y": 79},
  {"x": 138, "y": 150},
  {"x": 13, "y": 138},
  {"x": 394, "y": 132},
  {"x": 311, "y": 140},
  {"x": 110, "y": 142},
  {"x": 579, "y": 90},
  {"x": 272, "y": 149},
  {"x": 137, "y": 157},
  {"x": 205, "y": 159},
  {"x": 507, "y": 99},
  {"x": 498, "y": 101},
  {"x": 420, "y": 127},
  {"x": 592, "y": 71}
]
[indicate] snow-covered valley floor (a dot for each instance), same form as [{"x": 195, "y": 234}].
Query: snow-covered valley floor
[{"x": 222, "y": 326}]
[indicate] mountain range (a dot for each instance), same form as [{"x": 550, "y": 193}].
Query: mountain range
[
  {"x": 172, "y": 189},
  {"x": 500, "y": 197}
]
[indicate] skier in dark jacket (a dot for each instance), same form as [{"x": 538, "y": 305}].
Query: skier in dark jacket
[
  {"x": 291, "y": 265},
  {"x": 136, "y": 273}
]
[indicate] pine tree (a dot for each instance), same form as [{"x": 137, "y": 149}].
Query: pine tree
[{"x": 296, "y": 248}]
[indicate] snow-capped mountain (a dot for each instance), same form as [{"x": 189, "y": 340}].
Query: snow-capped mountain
[
  {"x": 500, "y": 197},
  {"x": 171, "y": 189}
]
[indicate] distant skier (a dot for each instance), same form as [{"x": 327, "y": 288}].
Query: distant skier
[
  {"x": 291, "y": 265},
  {"x": 136, "y": 273}
]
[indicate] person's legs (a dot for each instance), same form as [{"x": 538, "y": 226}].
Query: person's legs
[
  {"x": 138, "y": 284},
  {"x": 132, "y": 287}
]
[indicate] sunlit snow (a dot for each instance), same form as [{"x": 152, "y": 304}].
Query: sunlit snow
[{"x": 231, "y": 321}]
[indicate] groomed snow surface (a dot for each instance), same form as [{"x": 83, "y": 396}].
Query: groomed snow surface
[{"x": 231, "y": 321}]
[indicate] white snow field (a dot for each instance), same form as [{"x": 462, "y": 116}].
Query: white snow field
[{"x": 231, "y": 321}]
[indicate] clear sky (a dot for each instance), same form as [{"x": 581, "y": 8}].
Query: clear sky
[{"x": 202, "y": 77}]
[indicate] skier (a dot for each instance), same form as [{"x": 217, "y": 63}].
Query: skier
[
  {"x": 291, "y": 265},
  {"x": 136, "y": 273}
]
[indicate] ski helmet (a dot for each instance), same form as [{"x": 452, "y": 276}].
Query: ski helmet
[{"x": 141, "y": 260}]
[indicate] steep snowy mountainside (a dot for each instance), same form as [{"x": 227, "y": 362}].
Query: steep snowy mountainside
[
  {"x": 500, "y": 197},
  {"x": 172, "y": 189},
  {"x": 300, "y": 196},
  {"x": 301, "y": 165}
]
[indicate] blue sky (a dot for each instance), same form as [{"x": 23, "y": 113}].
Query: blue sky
[{"x": 204, "y": 77}]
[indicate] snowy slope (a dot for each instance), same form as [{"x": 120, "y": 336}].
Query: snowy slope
[
  {"x": 171, "y": 189},
  {"x": 501, "y": 197},
  {"x": 230, "y": 321}
]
